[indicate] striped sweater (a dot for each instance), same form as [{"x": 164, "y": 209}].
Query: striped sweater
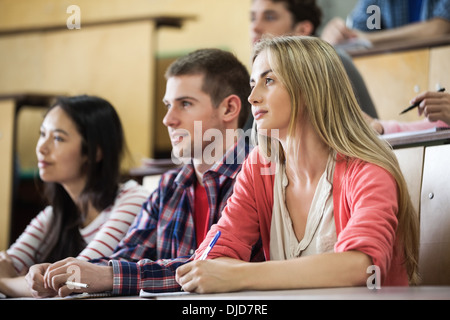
[{"x": 102, "y": 235}]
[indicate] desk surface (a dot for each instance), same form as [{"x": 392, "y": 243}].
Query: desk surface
[
  {"x": 347, "y": 293},
  {"x": 416, "y": 138},
  {"x": 397, "y": 46},
  {"x": 352, "y": 293}
]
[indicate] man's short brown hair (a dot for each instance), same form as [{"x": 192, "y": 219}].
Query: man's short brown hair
[{"x": 224, "y": 75}]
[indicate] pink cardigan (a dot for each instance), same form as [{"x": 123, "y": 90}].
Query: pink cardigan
[{"x": 365, "y": 207}]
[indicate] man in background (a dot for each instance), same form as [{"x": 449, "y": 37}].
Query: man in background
[{"x": 301, "y": 18}]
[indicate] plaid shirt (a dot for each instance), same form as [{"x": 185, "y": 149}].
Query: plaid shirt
[
  {"x": 396, "y": 13},
  {"x": 163, "y": 235}
]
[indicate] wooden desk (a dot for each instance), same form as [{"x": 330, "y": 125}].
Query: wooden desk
[
  {"x": 347, "y": 293},
  {"x": 350, "y": 293},
  {"x": 277, "y": 304},
  {"x": 398, "y": 46},
  {"x": 414, "y": 139},
  {"x": 424, "y": 159},
  {"x": 9, "y": 108}
]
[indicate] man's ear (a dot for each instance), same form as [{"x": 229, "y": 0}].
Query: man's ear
[
  {"x": 231, "y": 107},
  {"x": 303, "y": 28}
]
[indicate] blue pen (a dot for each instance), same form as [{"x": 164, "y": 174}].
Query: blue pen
[{"x": 210, "y": 246}]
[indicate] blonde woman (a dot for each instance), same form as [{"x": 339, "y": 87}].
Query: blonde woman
[{"x": 337, "y": 202}]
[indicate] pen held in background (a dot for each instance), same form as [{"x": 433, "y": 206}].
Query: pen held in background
[
  {"x": 210, "y": 246},
  {"x": 418, "y": 102}
]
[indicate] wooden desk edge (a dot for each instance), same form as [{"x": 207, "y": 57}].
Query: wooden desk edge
[
  {"x": 425, "y": 139},
  {"x": 345, "y": 293},
  {"x": 402, "y": 46}
]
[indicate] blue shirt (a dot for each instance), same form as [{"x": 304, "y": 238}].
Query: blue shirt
[
  {"x": 415, "y": 8},
  {"x": 396, "y": 13}
]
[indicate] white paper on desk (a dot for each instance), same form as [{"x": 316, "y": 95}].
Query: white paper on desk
[
  {"x": 146, "y": 294},
  {"x": 412, "y": 133},
  {"x": 355, "y": 44}
]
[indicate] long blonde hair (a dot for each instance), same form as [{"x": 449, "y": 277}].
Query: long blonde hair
[{"x": 314, "y": 76}]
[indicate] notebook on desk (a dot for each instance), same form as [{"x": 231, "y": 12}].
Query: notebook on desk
[{"x": 412, "y": 133}]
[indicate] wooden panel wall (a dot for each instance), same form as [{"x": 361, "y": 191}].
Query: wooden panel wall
[
  {"x": 392, "y": 79},
  {"x": 7, "y": 108},
  {"x": 112, "y": 61}
]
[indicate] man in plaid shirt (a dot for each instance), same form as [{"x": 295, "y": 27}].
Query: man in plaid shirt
[{"x": 206, "y": 95}]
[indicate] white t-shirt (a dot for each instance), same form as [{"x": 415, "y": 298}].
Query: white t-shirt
[{"x": 320, "y": 230}]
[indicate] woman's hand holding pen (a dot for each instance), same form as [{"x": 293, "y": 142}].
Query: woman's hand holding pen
[
  {"x": 434, "y": 105},
  {"x": 217, "y": 275}
]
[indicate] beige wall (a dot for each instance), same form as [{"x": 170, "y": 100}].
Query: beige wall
[
  {"x": 86, "y": 60},
  {"x": 109, "y": 61},
  {"x": 219, "y": 23}
]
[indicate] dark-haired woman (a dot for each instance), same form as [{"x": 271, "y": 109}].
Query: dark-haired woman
[{"x": 79, "y": 154}]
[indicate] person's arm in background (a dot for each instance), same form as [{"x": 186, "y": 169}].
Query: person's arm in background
[
  {"x": 419, "y": 30},
  {"x": 336, "y": 31},
  {"x": 435, "y": 106}
]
